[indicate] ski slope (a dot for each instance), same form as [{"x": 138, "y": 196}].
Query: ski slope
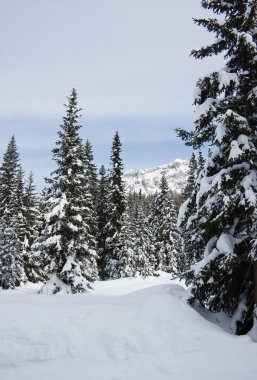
[{"x": 127, "y": 329}]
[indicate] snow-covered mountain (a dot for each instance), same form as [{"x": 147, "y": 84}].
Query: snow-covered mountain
[{"x": 148, "y": 180}]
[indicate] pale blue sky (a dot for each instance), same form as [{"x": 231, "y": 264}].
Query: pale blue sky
[{"x": 128, "y": 59}]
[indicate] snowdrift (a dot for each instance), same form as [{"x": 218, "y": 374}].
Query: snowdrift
[{"x": 128, "y": 329}]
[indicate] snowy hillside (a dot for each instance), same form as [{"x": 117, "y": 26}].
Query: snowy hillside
[
  {"x": 148, "y": 180},
  {"x": 125, "y": 329}
]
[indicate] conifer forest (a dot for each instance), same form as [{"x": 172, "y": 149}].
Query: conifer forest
[{"x": 84, "y": 235}]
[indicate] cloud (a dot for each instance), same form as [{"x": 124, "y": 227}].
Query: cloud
[{"x": 126, "y": 57}]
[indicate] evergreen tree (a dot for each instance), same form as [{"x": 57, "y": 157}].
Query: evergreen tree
[
  {"x": 91, "y": 171},
  {"x": 191, "y": 177},
  {"x": 11, "y": 220},
  {"x": 20, "y": 209},
  {"x": 11, "y": 271},
  {"x": 186, "y": 220},
  {"x": 200, "y": 162},
  {"x": 116, "y": 208},
  {"x": 124, "y": 249},
  {"x": 226, "y": 277},
  {"x": 8, "y": 175},
  {"x": 67, "y": 241},
  {"x": 32, "y": 227},
  {"x": 144, "y": 252},
  {"x": 166, "y": 237},
  {"x": 102, "y": 217}
]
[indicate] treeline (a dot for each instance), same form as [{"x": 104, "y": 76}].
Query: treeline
[{"x": 83, "y": 226}]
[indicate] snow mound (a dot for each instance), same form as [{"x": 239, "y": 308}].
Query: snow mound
[{"x": 112, "y": 333}]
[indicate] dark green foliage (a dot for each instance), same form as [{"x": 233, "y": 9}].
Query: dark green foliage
[
  {"x": 32, "y": 219},
  {"x": 11, "y": 219},
  {"x": 91, "y": 171},
  {"x": 116, "y": 208},
  {"x": 165, "y": 235},
  {"x": 144, "y": 250},
  {"x": 102, "y": 217},
  {"x": 200, "y": 162},
  {"x": 224, "y": 209},
  {"x": 67, "y": 242},
  {"x": 8, "y": 175},
  {"x": 191, "y": 177}
]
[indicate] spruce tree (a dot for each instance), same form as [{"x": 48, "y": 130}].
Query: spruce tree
[
  {"x": 225, "y": 279},
  {"x": 91, "y": 170},
  {"x": 32, "y": 227},
  {"x": 191, "y": 177},
  {"x": 166, "y": 237},
  {"x": 124, "y": 249},
  {"x": 11, "y": 270},
  {"x": 20, "y": 209},
  {"x": 8, "y": 174},
  {"x": 200, "y": 162},
  {"x": 144, "y": 250},
  {"x": 103, "y": 210},
  {"x": 116, "y": 208},
  {"x": 11, "y": 219},
  {"x": 186, "y": 220},
  {"x": 67, "y": 242}
]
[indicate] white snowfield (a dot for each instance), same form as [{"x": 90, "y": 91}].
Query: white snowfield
[{"x": 127, "y": 329}]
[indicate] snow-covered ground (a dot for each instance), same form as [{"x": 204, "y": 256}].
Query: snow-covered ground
[{"x": 127, "y": 329}]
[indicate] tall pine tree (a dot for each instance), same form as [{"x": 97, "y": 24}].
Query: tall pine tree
[
  {"x": 32, "y": 227},
  {"x": 102, "y": 217},
  {"x": 165, "y": 235},
  {"x": 67, "y": 241},
  {"x": 11, "y": 219},
  {"x": 116, "y": 208},
  {"x": 226, "y": 277}
]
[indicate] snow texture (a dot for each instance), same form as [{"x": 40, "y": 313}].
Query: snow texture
[
  {"x": 149, "y": 180},
  {"x": 125, "y": 329}
]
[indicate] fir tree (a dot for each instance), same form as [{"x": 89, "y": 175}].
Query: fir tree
[
  {"x": 116, "y": 208},
  {"x": 8, "y": 174},
  {"x": 226, "y": 277},
  {"x": 11, "y": 271},
  {"x": 11, "y": 219},
  {"x": 191, "y": 177},
  {"x": 102, "y": 217},
  {"x": 166, "y": 238},
  {"x": 67, "y": 241},
  {"x": 144, "y": 252},
  {"x": 200, "y": 162},
  {"x": 20, "y": 209},
  {"x": 91, "y": 171},
  {"x": 186, "y": 221},
  {"x": 32, "y": 227},
  {"x": 124, "y": 249}
]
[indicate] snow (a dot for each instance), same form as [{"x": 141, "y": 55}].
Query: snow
[
  {"x": 204, "y": 108},
  {"x": 124, "y": 329},
  {"x": 148, "y": 180},
  {"x": 220, "y": 132},
  {"x": 249, "y": 182},
  {"x": 182, "y": 212},
  {"x": 235, "y": 151},
  {"x": 225, "y": 78},
  {"x": 54, "y": 282},
  {"x": 58, "y": 209},
  {"x": 226, "y": 243}
]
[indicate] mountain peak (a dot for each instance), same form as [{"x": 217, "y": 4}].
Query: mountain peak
[{"x": 148, "y": 180}]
